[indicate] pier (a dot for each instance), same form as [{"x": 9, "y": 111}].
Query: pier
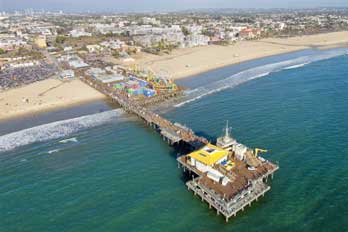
[
  {"x": 228, "y": 177},
  {"x": 173, "y": 133}
]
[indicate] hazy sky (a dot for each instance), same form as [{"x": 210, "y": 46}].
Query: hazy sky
[{"x": 159, "y": 5}]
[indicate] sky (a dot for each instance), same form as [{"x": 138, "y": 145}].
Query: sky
[{"x": 160, "y": 5}]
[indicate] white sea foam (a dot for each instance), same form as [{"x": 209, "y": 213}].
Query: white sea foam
[
  {"x": 255, "y": 73},
  {"x": 53, "y": 151},
  {"x": 297, "y": 66},
  {"x": 69, "y": 140},
  {"x": 56, "y": 130}
]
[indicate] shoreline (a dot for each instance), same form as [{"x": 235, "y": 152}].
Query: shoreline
[
  {"x": 62, "y": 94},
  {"x": 45, "y": 96},
  {"x": 338, "y": 45},
  {"x": 51, "y": 108},
  {"x": 188, "y": 62}
]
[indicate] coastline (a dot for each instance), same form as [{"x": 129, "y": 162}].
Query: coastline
[
  {"x": 45, "y": 96},
  {"x": 53, "y": 94},
  {"x": 183, "y": 63}
]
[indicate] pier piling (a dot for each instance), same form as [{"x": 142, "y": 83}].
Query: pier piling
[{"x": 175, "y": 134}]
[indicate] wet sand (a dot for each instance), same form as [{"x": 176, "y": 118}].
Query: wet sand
[{"x": 191, "y": 61}]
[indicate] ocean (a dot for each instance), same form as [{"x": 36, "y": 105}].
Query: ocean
[{"x": 104, "y": 170}]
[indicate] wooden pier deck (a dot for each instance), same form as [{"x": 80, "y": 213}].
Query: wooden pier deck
[
  {"x": 174, "y": 133},
  {"x": 247, "y": 191},
  {"x": 232, "y": 207},
  {"x": 251, "y": 191}
]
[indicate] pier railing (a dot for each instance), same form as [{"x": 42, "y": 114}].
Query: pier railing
[
  {"x": 175, "y": 133},
  {"x": 172, "y": 132}
]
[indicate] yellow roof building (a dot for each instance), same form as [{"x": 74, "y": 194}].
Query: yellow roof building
[{"x": 209, "y": 154}]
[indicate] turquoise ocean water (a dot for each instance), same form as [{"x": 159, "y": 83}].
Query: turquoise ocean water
[{"x": 109, "y": 172}]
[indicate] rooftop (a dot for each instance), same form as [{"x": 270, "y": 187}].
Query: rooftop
[{"x": 209, "y": 154}]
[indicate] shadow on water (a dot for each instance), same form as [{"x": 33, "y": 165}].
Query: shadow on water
[
  {"x": 175, "y": 152},
  {"x": 205, "y": 135},
  {"x": 187, "y": 176}
]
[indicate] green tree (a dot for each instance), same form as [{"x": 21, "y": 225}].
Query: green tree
[
  {"x": 116, "y": 54},
  {"x": 185, "y": 31},
  {"x": 60, "y": 39},
  {"x": 2, "y": 51}
]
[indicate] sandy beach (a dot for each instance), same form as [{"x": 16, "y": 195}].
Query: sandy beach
[
  {"x": 186, "y": 62},
  {"x": 45, "y": 95},
  {"x": 52, "y": 93}
]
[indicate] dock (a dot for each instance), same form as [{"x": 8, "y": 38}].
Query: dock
[
  {"x": 171, "y": 132},
  {"x": 224, "y": 205},
  {"x": 228, "y": 177}
]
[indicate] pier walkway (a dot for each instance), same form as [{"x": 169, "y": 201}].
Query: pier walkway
[
  {"x": 173, "y": 133},
  {"x": 244, "y": 188}
]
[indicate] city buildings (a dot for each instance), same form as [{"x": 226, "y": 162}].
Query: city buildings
[{"x": 74, "y": 42}]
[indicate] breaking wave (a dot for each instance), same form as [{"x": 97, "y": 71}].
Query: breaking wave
[
  {"x": 53, "y": 151},
  {"x": 69, "y": 140},
  {"x": 56, "y": 130},
  {"x": 255, "y": 73},
  {"x": 297, "y": 66}
]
